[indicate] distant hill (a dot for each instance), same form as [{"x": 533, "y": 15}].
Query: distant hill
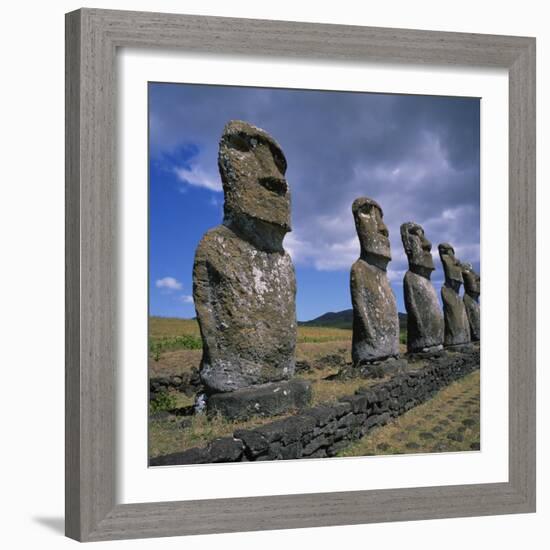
[{"x": 342, "y": 319}]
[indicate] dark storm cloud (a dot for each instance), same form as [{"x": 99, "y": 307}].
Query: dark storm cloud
[{"x": 418, "y": 156}]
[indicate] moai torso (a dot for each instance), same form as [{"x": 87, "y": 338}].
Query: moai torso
[
  {"x": 243, "y": 280},
  {"x": 471, "y": 297},
  {"x": 457, "y": 328},
  {"x": 375, "y": 318},
  {"x": 425, "y": 326}
]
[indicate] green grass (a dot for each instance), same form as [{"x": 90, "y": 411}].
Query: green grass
[
  {"x": 157, "y": 346},
  {"x": 163, "y": 401}
]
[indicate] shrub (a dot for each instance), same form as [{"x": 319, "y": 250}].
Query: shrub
[{"x": 163, "y": 401}]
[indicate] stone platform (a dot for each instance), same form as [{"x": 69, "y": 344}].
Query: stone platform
[
  {"x": 324, "y": 430},
  {"x": 262, "y": 400}
]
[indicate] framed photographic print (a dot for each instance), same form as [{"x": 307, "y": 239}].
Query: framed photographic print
[{"x": 275, "y": 239}]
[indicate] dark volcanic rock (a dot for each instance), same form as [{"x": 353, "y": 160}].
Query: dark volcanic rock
[
  {"x": 187, "y": 382},
  {"x": 374, "y": 369},
  {"x": 261, "y": 400},
  {"x": 225, "y": 449},
  {"x": 324, "y": 430},
  {"x": 302, "y": 366},
  {"x": 457, "y": 327},
  {"x": 375, "y": 319},
  {"x": 471, "y": 300},
  {"x": 424, "y": 317},
  {"x": 243, "y": 280},
  {"x": 196, "y": 455}
]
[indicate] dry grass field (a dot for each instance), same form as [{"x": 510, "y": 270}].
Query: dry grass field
[
  {"x": 449, "y": 422},
  {"x": 175, "y": 344},
  {"x": 175, "y": 348},
  {"x": 165, "y": 327},
  {"x": 315, "y": 345}
]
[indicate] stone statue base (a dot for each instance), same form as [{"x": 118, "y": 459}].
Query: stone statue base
[
  {"x": 379, "y": 369},
  {"x": 261, "y": 400},
  {"x": 426, "y": 353},
  {"x": 371, "y": 369},
  {"x": 460, "y": 347}
]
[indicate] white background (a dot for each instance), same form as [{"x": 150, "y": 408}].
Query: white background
[
  {"x": 32, "y": 276},
  {"x": 136, "y": 482}
]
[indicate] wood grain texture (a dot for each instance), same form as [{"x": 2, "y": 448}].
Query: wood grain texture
[
  {"x": 72, "y": 277},
  {"x": 522, "y": 274},
  {"x": 92, "y": 37}
]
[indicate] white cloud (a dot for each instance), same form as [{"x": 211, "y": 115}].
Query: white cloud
[
  {"x": 417, "y": 156},
  {"x": 197, "y": 177},
  {"x": 324, "y": 257},
  {"x": 187, "y": 299},
  {"x": 169, "y": 283}
]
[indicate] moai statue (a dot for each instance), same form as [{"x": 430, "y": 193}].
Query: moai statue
[
  {"x": 375, "y": 319},
  {"x": 244, "y": 284},
  {"x": 457, "y": 328},
  {"x": 424, "y": 317},
  {"x": 471, "y": 297}
]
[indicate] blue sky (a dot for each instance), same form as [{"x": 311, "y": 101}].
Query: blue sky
[{"x": 418, "y": 156}]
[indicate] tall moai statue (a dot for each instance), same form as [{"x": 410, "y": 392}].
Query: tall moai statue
[
  {"x": 375, "y": 318},
  {"x": 425, "y": 325},
  {"x": 471, "y": 299},
  {"x": 244, "y": 284},
  {"x": 457, "y": 328}
]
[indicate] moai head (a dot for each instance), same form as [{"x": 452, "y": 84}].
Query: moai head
[
  {"x": 372, "y": 232},
  {"x": 417, "y": 248},
  {"x": 451, "y": 266},
  {"x": 252, "y": 167},
  {"x": 471, "y": 281}
]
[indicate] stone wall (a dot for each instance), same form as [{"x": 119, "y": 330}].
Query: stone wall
[
  {"x": 187, "y": 382},
  {"x": 322, "y": 431}
]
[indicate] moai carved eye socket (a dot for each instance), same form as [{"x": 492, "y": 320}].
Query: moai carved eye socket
[
  {"x": 416, "y": 231},
  {"x": 239, "y": 142},
  {"x": 366, "y": 210},
  {"x": 279, "y": 160},
  {"x": 382, "y": 229}
]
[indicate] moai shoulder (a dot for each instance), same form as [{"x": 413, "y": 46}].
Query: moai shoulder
[
  {"x": 471, "y": 300},
  {"x": 457, "y": 328},
  {"x": 425, "y": 325},
  {"x": 375, "y": 318}
]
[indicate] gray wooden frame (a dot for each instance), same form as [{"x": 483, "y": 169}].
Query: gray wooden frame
[{"x": 92, "y": 38}]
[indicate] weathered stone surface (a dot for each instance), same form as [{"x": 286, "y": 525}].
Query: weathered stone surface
[
  {"x": 378, "y": 368},
  {"x": 473, "y": 312},
  {"x": 225, "y": 449},
  {"x": 425, "y": 326},
  {"x": 323, "y": 430},
  {"x": 195, "y": 455},
  {"x": 471, "y": 300},
  {"x": 375, "y": 319},
  {"x": 261, "y": 400},
  {"x": 457, "y": 327},
  {"x": 243, "y": 280}
]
